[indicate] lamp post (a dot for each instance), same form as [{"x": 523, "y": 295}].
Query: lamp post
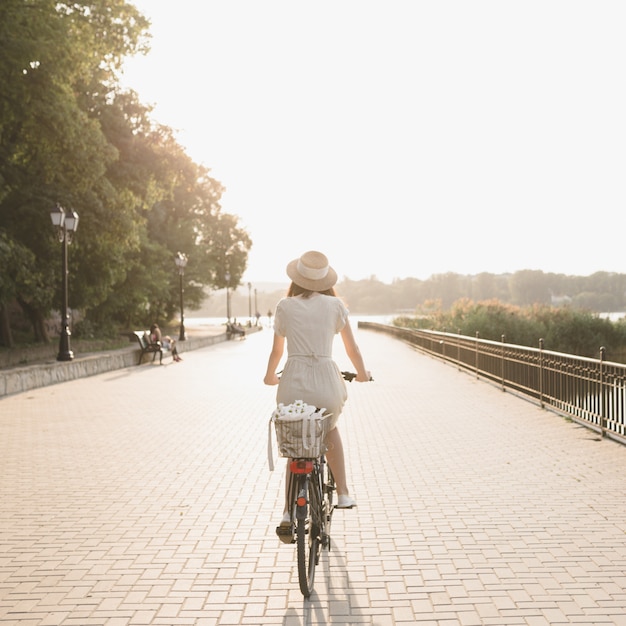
[
  {"x": 227, "y": 279},
  {"x": 181, "y": 263},
  {"x": 66, "y": 224},
  {"x": 250, "y": 302},
  {"x": 256, "y": 309}
]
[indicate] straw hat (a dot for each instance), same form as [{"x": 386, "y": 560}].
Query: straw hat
[{"x": 311, "y": 271}]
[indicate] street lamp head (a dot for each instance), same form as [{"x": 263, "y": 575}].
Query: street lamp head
[
  {"x": 57, "y": 215},
  {"x": 71, "y": 225},
  {"x": 66, "y": 222},
  {"x": 71, "y": 222},
  {"x": 181, "y": 261}
]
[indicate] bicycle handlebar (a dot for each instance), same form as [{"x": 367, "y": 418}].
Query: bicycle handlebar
[{"x": 350, "y": 376}]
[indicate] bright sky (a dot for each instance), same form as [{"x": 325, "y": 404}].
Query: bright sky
[{"x": 403, "y": 138}]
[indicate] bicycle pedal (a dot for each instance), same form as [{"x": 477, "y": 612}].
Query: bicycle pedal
[{"x": 285, "y": 534}]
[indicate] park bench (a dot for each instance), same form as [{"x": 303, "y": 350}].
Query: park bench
[
  {"x": 146, "y": 346},
  {"x": 235, "y": 330}
]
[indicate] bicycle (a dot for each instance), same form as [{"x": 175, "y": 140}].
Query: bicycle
[{"x": 310, "y": 489}]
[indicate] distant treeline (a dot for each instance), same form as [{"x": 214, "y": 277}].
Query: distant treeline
[{"x": 600, "y": 292}]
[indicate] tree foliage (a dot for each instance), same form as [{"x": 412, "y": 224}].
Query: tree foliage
[{"x": 70, "y": 134}]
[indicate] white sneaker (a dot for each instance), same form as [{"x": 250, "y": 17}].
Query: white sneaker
[{"x": 345, "y": 502}]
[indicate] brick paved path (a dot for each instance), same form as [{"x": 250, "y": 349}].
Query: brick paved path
[{"x": 143, "y": 496}]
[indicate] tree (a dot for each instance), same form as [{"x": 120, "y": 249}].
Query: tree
[
  {"x": 68, "y": 134},
  {"x": 18, "y": 276},
  {"x": 225, "y": 251},
  {"x": 51, "y": 148},
  {"x": 529, "y": 287}
]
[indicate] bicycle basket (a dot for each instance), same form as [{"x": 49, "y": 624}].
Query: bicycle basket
[{"x": 301, "y": 434}]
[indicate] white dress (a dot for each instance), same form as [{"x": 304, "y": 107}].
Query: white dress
[{"x": 310, "y": 374}]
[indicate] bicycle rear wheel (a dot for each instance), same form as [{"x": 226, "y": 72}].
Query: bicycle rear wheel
[{"x": 308, "y": 532}]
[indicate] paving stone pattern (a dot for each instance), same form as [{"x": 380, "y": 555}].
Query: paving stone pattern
[{"x": 142, "y": 496}]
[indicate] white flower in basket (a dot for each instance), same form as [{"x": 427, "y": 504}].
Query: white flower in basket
[
  {"x": 300, "y": 430},
  {"x": 295, "y": 410}
]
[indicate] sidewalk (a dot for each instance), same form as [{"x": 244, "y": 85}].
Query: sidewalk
[{"x": 142, "y": 496}]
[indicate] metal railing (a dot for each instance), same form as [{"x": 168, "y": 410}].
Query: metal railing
[{"x": 589, "y": 391}]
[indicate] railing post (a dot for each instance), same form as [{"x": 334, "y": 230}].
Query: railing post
[
  {"x": 541, "y": 403},
  {"x": 503, "y": 364},
  {"x": 602, "y": 396},
  {"x": 458, "y": 349},
  {"x": 476, "y": 356}
]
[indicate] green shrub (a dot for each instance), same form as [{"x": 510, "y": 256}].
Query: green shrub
[{"x": 572, "y": 331}]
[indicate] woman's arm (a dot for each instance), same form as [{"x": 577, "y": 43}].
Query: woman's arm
[
  {"x": 278, "y": 348},
  {"x": 354, "y": 354}
]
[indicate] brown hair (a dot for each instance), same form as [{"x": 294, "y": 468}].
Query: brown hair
[{"x": 296, "y": 290}]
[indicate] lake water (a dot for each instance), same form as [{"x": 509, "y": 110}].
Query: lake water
[
  {"x": 613, "y": 316},
  {"x": 195, "y": 322}
]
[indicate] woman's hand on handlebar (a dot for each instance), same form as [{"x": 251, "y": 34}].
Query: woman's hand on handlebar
[{"x": 350, "y": 376}]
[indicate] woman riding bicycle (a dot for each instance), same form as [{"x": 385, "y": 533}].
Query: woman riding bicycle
[{"x": 309, "y": 318}]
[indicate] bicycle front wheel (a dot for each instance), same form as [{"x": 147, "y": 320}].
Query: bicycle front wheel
[{"x": 307, "y": 534}]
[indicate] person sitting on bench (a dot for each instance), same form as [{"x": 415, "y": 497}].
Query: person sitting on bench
[
  {"x": 167, "y": 343},
  {"x": 235, "y": 329}
]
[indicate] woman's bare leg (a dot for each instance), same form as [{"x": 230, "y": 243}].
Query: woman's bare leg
[
  {"x": 287, "y": 486},
  {"x": 335, "y": 458}
]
